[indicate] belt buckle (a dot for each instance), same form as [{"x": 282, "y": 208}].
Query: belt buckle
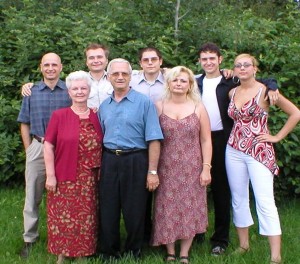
[{"x": 118, "y": 152}]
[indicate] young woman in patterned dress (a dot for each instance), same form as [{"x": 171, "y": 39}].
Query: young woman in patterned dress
[{"x": 250, "y": 155}]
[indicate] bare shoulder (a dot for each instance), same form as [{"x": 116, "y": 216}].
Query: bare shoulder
[
  {"x": 158, "y": 106},
  {"x": 230, "y": 94},
  {"x": 200, "y": 109}
]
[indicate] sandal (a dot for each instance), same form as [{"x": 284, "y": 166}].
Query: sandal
[
  {"x": 184, "y": 259},
  {"x": 241, "y": 251},
  {"x": 170, "y": 258},
  {"x": 275, "y": 262}
]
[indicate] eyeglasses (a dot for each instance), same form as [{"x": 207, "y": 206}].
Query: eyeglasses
[
  {"x": 152, "y": 59},
  {"x": 117, "y": 74},
  {"x": 245, "y": 65}
]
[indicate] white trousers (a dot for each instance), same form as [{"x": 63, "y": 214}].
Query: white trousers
[{"x": 240, "y": 169}]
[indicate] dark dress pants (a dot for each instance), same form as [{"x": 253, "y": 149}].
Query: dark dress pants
[
  {"x": 122, "y": 189},
  {"x": 220, "y": 191},
  {"x": 148, "y": 218}
]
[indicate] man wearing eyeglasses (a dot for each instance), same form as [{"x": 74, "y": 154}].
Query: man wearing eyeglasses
[
  {"x": 214, "y": 88},
  {"x": 150, "y": 80},
  {"x": 131, "y": 141}
]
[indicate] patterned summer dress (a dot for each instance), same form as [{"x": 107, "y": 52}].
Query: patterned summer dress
[
  {"x": 250, "y": 121},
  {"x": 180, "y": 208},
  {"x": 72, "y": 210}
]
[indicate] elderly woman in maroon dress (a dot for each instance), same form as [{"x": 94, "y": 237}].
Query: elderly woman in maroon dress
[{"x": 73, "y": 148}]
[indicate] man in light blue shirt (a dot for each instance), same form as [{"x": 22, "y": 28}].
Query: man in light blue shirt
[
  {"x": 132, "y": 137},
  {"x": 150, "y": 82}
]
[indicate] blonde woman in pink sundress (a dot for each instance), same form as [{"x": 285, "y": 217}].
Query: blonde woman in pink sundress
[
  {"x": 180, "y": 208},
  {"x": 250, "y": 155}
]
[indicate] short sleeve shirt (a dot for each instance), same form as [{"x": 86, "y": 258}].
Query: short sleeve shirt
[
  {"x": 36, "y": 109},
  {"x": 130, "y": 123}
]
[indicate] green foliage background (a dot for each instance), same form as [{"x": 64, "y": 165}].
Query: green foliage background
[{"x": 29, "y": 28}]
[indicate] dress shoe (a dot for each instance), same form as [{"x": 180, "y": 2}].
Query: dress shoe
[
  {"x": 24, "y": 253},
  {"x": 218, "y": 251}
]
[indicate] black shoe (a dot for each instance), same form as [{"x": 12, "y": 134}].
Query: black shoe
[
  {"x": 24, "y": 253},
  {"x": 218, "y": 251}
]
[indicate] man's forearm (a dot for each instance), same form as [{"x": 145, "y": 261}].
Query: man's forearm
[
  {"x": 25, "y": 134},
  {"x": 154, "y": 152}
]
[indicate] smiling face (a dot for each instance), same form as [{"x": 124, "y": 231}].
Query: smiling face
[
  {"x": 96, "y": 60},
  {"x": 150, "y": 62},
  {"x": 51, "y": 67},
  {"x": 79, "y": 91},
  {"x": 210, "y": 63},
  {"x": 119, "y": 76}
]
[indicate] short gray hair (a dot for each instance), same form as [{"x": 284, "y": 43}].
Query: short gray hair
[
  {"x": 118, "y": 60},
  {"x": 78, "y": 75}
]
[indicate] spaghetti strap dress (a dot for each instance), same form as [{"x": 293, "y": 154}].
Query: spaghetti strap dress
[
  {"x": 249, "y": 122},
  {"x": 180, "y": 205}
]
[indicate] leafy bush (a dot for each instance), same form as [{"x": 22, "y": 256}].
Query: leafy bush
[
  {"x": 125, "y": 26},
  {"x": 11, "y": 154}
]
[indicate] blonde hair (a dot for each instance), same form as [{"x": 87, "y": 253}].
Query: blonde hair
[
  {"x": 246, "y": 55},
  {"x": 193, "y": 93}
]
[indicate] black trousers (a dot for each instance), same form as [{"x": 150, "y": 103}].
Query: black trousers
[
  {"x": 148, "y": 218},
  {"x": 122, "y": 190},
  {"x": 220, "y": 191}
]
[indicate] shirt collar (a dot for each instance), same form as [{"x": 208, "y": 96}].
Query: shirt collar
[
  {"x": 104, "y": 77},
  {"x": 129, "y": 96},
  {"x": 60, "y": 84},
  {"x": 160, "y": 78}
]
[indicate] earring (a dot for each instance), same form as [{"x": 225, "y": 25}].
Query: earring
[{"x": 235, "y": 80}]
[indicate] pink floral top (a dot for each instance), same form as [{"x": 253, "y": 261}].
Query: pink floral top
[{"x": 250, "y": 121}]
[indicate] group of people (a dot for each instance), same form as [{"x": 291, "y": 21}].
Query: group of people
[{"x": 102, "y": 142}]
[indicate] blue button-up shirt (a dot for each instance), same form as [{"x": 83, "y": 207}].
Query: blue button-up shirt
[
  {"x": 153, "y": 90},
  {"x": 36, "y": 109},
  {"x": 130, "y": 123}
]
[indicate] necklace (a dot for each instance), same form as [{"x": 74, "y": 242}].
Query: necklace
[{"x": 80, "y": 113}]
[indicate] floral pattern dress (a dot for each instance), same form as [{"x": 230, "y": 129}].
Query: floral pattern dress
[
  {"x": 180, "y": 206},
  {"x": 72, "y": 210}
]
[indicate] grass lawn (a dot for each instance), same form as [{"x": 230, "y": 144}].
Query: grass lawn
[{"x": 11, "y": 228}]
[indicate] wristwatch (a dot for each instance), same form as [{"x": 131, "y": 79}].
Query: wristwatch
[{"x": 152, "y": 172}]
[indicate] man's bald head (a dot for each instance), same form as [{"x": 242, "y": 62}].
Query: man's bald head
[{"x": 51, "y": 67}]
